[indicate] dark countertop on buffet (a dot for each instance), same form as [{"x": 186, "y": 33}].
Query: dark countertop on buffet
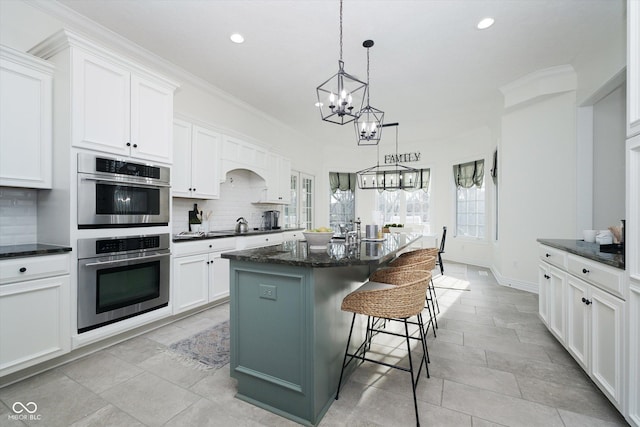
[
  {"x": 220, "y": 234},
  {"x": 591, "y": 251},
  {"x": 336, "y": 254},
  {"x": 31, "y": 249}
]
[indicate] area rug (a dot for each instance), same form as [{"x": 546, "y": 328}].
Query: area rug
[{"x": 205, "y": 350}]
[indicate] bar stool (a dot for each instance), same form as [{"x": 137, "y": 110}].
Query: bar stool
[
  {"x": 427, "y": 264},
  {"x": 423, "y": 254},
  {"x": 391, "y": 294}
]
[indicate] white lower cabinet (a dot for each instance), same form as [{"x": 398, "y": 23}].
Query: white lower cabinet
[
  {"x": 34, "y": 312},
  {"x": 634, "y": 352},
  {"x": 587, "y": 318},
  {"x": 200, "y": 276}
]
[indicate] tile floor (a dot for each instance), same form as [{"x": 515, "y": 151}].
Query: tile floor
[{"x": 493, "y": 363}]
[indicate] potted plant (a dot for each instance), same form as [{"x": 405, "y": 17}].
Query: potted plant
[{"x": 392, "y": 228}]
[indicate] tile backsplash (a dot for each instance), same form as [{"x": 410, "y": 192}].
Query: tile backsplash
[
  {"x": 18, "y": 216},
  {"x": 236, "y": 195}
]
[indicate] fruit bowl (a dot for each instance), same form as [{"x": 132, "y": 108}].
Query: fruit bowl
[{"x": 318, "y": 240}]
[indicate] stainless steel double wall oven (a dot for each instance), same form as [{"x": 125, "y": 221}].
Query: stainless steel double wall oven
[{"x": 123, "y": 276}]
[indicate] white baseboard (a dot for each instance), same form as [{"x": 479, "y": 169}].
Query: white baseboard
[{"x": 503, "y": 281}]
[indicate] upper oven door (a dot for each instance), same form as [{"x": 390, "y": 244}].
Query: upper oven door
[{"x": 110, "y": 201}]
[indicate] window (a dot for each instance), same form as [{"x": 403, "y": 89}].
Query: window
[
  {"x": 342, "y": 205},
  {"x": 470, "y": 199},
  {"x": 406, "y": 207},
  {"x": 299, "y": 213}
]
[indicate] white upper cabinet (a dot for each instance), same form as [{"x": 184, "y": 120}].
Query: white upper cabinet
[
  {"x": 120, "y": 112},
  {"x": 196, "y": 167},
  {"x": 633, "y": 67},
  {"x": 116, "y": 105},
  {"x": 278, "y": 180},
  {"x": 26, "y": 116}
]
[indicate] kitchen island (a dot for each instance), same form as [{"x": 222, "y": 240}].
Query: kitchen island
[{"x": 287, "y": 330}]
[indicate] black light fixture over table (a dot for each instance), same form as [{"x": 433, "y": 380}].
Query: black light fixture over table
[
  {"x": 370, "y": 120},
  {"x": 341, "y": 98},
  {"x": 389, "y": 176}
]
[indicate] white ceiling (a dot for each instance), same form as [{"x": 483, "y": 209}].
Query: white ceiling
[{"x": 431, "y": 69}]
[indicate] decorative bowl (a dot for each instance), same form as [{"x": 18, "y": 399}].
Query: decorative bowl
[{"x": 318, "y": 240}]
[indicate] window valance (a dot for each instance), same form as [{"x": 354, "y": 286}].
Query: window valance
[
  {"x": 342, "y": 181},
  {"x": 466, "y": 175}
]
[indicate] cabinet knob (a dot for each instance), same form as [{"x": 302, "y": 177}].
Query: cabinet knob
[
  {"x": 210, "y": 246},
  {"x": 135, "y": 145},
  {"x": 22, "y": 269},
  {"x": 547, "y": 255},
  {"x": 194, "y": 189},
  {"x": 189, "y": 189},
  {"x": 586, "y": 301},
  {"x": 128, "y": 144},
  {"x": 585, "y": 271},
  {"x": 546, "y": 276}
]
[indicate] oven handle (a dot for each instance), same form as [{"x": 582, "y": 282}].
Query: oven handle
[
  {"x": 119, "y": 261},
  {"x": 116, "y": 181}
]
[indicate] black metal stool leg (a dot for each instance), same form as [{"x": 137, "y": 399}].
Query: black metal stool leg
[
  {"x": 434, "y": 296},
  {"x": 413, "y": 382},
  {"x": 346, "y": 352}
]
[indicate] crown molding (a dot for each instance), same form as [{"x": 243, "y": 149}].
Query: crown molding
[
  {"x": 548, "y": 81},
  {"x": 92, "y": 29},
  {"x": 26, "y": 60}
]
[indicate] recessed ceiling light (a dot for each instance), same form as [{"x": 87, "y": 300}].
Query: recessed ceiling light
[
  {"x": 485, "y": 23},
  {"x": 237, "y": 38}
]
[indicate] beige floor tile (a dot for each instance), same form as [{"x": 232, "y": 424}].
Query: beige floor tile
[
  {"x": 479, "y": 422},
  {"x": 60, "y": 401},
  {"x": 460, "y": 353},
  {"x": 100, "y": 371},
  {"x": 136, "y": 349},
  {"x": 571, "y": 419},
  {"x": 471, "y": 327},
  {"x": 150, "y": 399},
  {"x": 498, "y": 408},
  {"x": 510, "y": 345},
  {"x": 205, "y": 413},
  {"x": 586, "y": 401},
  {"x": 477, "y": 376},
  {"x": 170, "y": 367},
  {"x": 109, "y": 416}
]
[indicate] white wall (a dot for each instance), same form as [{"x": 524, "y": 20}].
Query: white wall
[
  {"x": 609, "y": 134},
  {"x": 537, "y": 176}
]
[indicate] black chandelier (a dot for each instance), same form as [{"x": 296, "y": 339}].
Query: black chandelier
[
  {"x": 370, "y": 120},
  {"x": 389, "y": 176},
  {"x": 341, "y": 98}
]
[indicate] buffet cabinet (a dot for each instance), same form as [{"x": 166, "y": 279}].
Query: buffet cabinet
[{"x": 581, "y": 303}]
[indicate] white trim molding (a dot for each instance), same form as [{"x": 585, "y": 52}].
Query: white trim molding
[{"x": 548, "y": 81}]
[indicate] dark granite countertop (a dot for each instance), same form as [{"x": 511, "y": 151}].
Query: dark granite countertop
[
  {"x": 31, "y": 249},
  {"x": 220, "y": 234},
  {"x": 586, "y": 250},
  {"x": 337, "y": 254}
]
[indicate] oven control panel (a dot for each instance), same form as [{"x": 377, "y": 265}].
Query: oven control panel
[
  {"x": 127, "y": 244},
  {"x": 88, "y": 248}
]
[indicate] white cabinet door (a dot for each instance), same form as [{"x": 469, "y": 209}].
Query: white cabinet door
[
  {"x": 190, "y": 282},
  {"x": 634, "y": 353},
  {"x": 284, "y": 179},
  {"x": 607, "y": 314},
  {"x": 25, "y": 117},
  {"x": 101, "y": 104},
  {"x": 577, "y": 337},
  {"x": 633, "y": 67},
  {"x": 544, "y": 284},
  {"x": 35, "y": 319},
  {"x": 557, "y": 303},
  {"x": 219, "y": 280},
  {"x": 205, "y": 163},
  {"x": 151, "y": 118},
  {"x": 181, "y": 172}
]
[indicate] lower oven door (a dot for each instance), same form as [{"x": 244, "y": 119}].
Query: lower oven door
[{"x": 118, "y": 287}]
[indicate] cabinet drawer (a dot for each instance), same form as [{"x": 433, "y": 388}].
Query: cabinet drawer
[
  {"x": 553, "y": 256},
  {"x": 602, "y": 276},
  {"x": 29, "y": 268},
  {"x": 203, "y": 246},
  {"x": 260, "y": 240}
]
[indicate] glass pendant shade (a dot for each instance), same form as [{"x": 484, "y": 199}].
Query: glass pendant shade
[
  {"x": 341, "y": 98},
  {"x": 369, "y": 126}
]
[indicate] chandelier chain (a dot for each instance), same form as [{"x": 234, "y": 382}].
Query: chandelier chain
[
  {"x": 368, "y": 84},
  {"x": 340, "y": 30}
]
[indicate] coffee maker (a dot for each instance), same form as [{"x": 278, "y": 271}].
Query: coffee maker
[{"x": 271, "y": 220}]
